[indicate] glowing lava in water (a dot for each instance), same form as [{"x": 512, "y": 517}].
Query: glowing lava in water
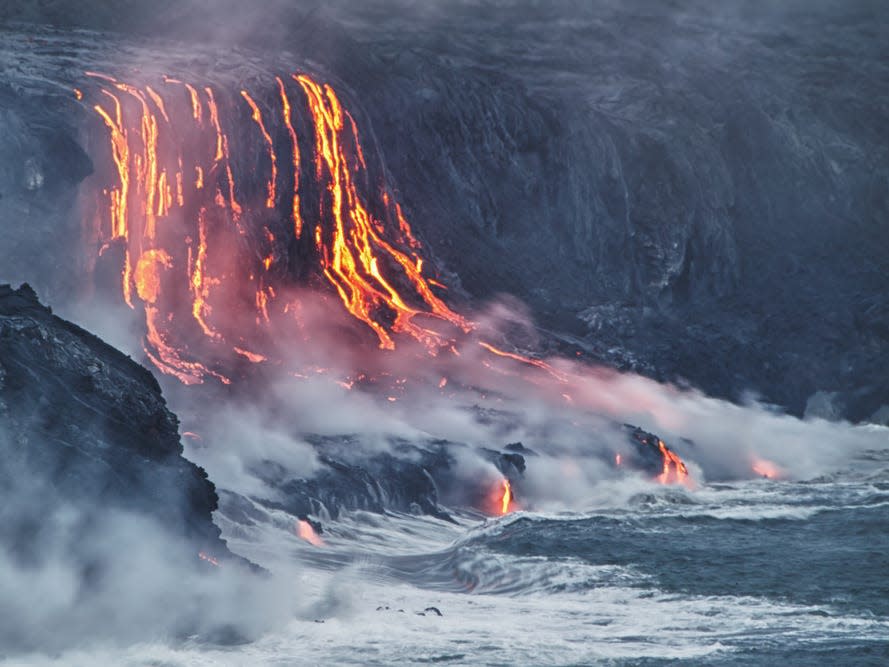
[
  {"x": 506, "y": 498},
  {"x": 766, "y": 469},
  {"x": 305, "y": 531},
  {"x": 674, "y": 471},
  {"x": 203, "y": 213}
]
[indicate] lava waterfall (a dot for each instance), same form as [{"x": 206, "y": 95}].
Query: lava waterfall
[{"x": 211, "y": 204}]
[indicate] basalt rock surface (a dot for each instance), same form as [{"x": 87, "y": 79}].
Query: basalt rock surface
[{"x": 83, "y": 427}]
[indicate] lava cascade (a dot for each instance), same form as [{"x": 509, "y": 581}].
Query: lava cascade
[
  {"x": 207, "y": 255},
  {"x": 184, "y": 211}
]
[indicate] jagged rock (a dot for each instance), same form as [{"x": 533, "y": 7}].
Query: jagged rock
[{"x": 88, "y": 426}]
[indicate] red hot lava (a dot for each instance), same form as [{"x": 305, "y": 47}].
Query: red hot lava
[
  {"x": 203, "y": 253},
  {"x": 674, "y": 471},
  {"x": 306, "y": 532},
  {"x": 179, "y": 206}
]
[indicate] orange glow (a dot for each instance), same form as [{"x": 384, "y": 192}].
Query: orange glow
[
  {"x": 180, "y": 192},
  {"x": 506, "y": 498},
  {"x": 674, "y": 471},
  {"x": 78, "y": 94},
  {"x": 372, "y": 264},
  {"x": 196, "y": 109},
  {"x": 146, "y": 275},
  {"x": 120, "y": 152},
  {"x": 206, "y": 557},
  {"x": 158, "y": 101},
  {"x": 200, "y": 282},
  {"x": 525, "y": 360},
  {"x": 251, "y": 356},
  {"x": 257, "y": 118},
  {"x": 351, "y": 262},
  {"x": 305, "y": 532},
  {"x": 767, "y": 469},
  {"x": 168, "y": 359},
  {"x": 214, "y": 121},
  {"x": 288, "y": 122}
]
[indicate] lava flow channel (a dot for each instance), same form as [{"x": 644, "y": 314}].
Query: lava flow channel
[
  {"x": 180, "y": 192},
  {"x": 206, "y": 255}
]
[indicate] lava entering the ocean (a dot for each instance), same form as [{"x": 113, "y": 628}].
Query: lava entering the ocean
[
  {"x": 216, "y": 206},
  {"x": 506, "y": 499}
]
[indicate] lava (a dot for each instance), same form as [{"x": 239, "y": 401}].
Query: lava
[
  {"x": 207, "y": 259},
  {"x": 506, "y": 498},
  {"x": 273, "y": 177},
  {"x": 674, "y": 471},
  {"x": 294, "y": 143},
  {"x": 305, "y": 531},
  {"x": 524, "y": 360},
  {"x": 207, "y": 557},
  {"x": 194, "y": 227}
]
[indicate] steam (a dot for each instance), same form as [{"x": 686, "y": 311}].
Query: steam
[
  {"x": 75, "y": 573},
  {"x": 569, "y": 413}
]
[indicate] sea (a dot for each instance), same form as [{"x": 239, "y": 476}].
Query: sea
[{"x": 758, "y": 572}]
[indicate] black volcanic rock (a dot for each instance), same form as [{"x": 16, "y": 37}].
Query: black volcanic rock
[{"x": 84, "y": 426}]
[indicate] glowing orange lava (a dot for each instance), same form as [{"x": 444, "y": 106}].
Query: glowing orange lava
[
  {"x": 257, "y": 118},
  {"x": 674, "y": 471},
  {"x": 288, "y": 122},
  {"x": 525, "y": 360},
  {"x": 506, "y": 498},
  {"x": 179, "y": 234},
  {"x": 305, "y": 532}
]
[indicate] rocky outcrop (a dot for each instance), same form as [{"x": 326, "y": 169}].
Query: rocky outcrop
[{"x": 83, "y": 426}]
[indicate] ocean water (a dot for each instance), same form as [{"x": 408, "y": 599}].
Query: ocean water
[{"x": 747, "y": 573}]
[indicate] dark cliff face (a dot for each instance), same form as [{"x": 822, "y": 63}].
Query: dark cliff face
[
  {"x": 703, "y": 190},
  {"x": 681, "y": 191},
  {"x": 89, "y": 428}
]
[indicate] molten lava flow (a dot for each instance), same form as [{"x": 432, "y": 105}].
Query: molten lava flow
[
  {"x": 288, "y": 122},
  {"x": 200, "y": 282},
  {"x": 352, "y": 261},
  {"x": 184, "y": 239},
  {"x": 525, "y": 360},
  {"x": 257, "y": 118},
  {"x": 674, "y": 471},
  {"x": 506, "y": 498},
  {"x": 207, "y": 258},
  {"x": 305, "y": 532},
  {"x": 147, "y": 275}
]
